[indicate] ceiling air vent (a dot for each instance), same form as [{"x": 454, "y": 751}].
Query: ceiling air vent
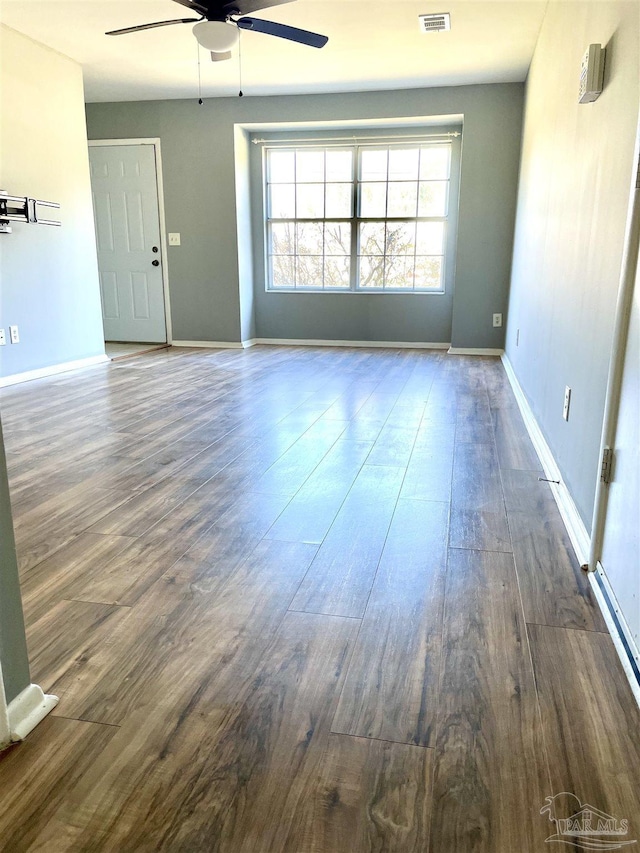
[{"x": 435, "y": 23}]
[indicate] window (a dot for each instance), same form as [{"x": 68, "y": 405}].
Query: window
[{"x": 370, "y": 218}]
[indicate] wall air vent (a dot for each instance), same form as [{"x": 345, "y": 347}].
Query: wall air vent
[{"x": 435, "y": 23}]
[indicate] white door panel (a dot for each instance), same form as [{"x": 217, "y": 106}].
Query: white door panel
[
  {"x": 125, "y": 201},
  {"x": 621, "y": 544}
]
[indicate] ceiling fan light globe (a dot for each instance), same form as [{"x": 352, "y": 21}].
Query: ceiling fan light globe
[{"x": 216, "y": 36}]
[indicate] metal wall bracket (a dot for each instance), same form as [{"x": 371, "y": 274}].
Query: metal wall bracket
[{"x": 15, "y": 208}]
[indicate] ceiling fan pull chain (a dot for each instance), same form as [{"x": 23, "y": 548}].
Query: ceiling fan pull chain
[
  {"x": 240, "y": 92},
  {"x": 199, "y": 76}
]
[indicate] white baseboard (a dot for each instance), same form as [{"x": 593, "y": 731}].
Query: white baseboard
[
  {"x": 474, "y": 351},
  {"x": 576, "y": 529},
  {"x": 53, "y": 370},
  {"x": 27, "y": 710},
  {"x": 208, "y": 344},
  {"x": 305, "y": 342}
]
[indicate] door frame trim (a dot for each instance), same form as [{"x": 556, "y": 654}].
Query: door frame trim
[{"x": 155, "y": 141}]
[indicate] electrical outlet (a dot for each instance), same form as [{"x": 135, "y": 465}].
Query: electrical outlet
[
  {"x": 174, "y": 239},
  {"x": 567, "y": 403},
  {"x": 497, "y": 321},
  {"x": 3, "y": 338},
  {"x": 14, "y": 335}
]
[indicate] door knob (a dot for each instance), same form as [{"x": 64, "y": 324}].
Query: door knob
[
  {"x": 155, "y": 263},
  {"x": 154, "y": 248}
]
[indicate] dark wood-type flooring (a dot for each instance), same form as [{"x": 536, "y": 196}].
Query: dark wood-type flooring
[{"x": 303, "y": 600}]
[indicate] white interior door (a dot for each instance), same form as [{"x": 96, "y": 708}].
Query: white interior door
[
  {"x": 621, "y": 544},
  {"x": 126, "y": 210}
]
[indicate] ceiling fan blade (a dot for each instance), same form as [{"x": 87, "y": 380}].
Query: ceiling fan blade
[
  {"x": 198, "y": 8},
  {"x": 282, "y": 31},
  {"x": 219, "y": 57},
  {"x": 151, "y": 26},
  {"x": 246, "y": 7}
]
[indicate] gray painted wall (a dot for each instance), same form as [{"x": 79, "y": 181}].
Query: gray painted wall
[
  {"x": 13, "y": 647},
  {"x": 48, "y": 276},
  {"x": 199, "y": 148},
  {"x": 572, "y": 207}
]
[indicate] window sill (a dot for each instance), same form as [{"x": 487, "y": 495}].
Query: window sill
[{"x": 336, "y": 292}]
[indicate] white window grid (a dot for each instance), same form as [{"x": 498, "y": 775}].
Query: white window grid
[{"x": 355, "y": 220}]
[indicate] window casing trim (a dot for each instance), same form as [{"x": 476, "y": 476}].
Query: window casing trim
[{"x": 356, "y": 220}]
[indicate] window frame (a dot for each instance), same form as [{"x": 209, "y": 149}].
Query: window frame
[{"x": 356, "y": 220}]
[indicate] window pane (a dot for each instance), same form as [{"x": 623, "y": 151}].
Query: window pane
[
  {"x": 403, "y": 164},
  {"x": 429, "y": 272},
  {"x": 281, "y": 167},
  {"x": 430, "y": 239},
  {"x": 371, "y": 272},
  {"x": 337, "y": 272},
  {"x": 310, "y": 201},
  {"x": 339, "y": 165},
  {"x": 434, "y": 162},
  {"x": 309, "y": 166},
  {"x": 373, "y": 164},
  {"x": 282, "y": 201},
  {"x": 309, "y": 237},
  {"x": 401, "y": 238},
  {"x": 433, "y": 198},
  {"x": 337, "y": 238},
  {"x": 373, "y": 200},
  {"x": 372, "y": 238},
  {"x": 403, "y": 199},
  {"x": 309, "y": 271},
  {"x": 399, "y": 273},
  {"x": 282, "y": 238},
  {"x": 283, "y": 270},
  {"x": 338, "y": 201}
]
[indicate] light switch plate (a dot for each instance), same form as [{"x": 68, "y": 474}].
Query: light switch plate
[
  {"x": 174, "y": 239},
  {"x": 14, "y": 334},
  {"x": 3, "y": 338}
]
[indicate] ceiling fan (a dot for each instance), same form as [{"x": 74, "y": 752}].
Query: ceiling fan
[{"x": 217, "y": 27}]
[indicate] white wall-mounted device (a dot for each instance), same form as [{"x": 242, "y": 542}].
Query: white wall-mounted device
[{"x": 591, "y": 74}]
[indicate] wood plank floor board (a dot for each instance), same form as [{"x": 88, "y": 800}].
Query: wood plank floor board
[
  {"x": 243, "y": 800},
  {"x": 479, "y": 530},
  {"x": 59, "y": 576},
  {"x": 143, "y": 509},
  {"x": 369, "y": 795},
  {"x": 555, "y": 591},
  {"x": 490, "y": 768},
  {"x": 310, "y": 514},
  {"x": 429, "y": 473},
  {"x": 393, "y": 446},
  {"x": 291, "y": 470},
  {"x": 476, "y": 478},
  {"x": 340, "y": 578},
  {"x": 525, "y": 492},
  {"x": 52, "y": 761},
  {"x": 512, "y": 441},
  {"x": 592, "y": 729},
  {"x": 54, "y": 650},
  {"x": 391, "y": 688}
]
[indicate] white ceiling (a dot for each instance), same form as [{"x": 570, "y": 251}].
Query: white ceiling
[{"x": 372, "y": 45}]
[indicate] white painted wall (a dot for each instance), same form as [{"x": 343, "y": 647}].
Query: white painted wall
[
  {"x": 48, "y": 276},
  {"x": 576, "y": 168}
]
